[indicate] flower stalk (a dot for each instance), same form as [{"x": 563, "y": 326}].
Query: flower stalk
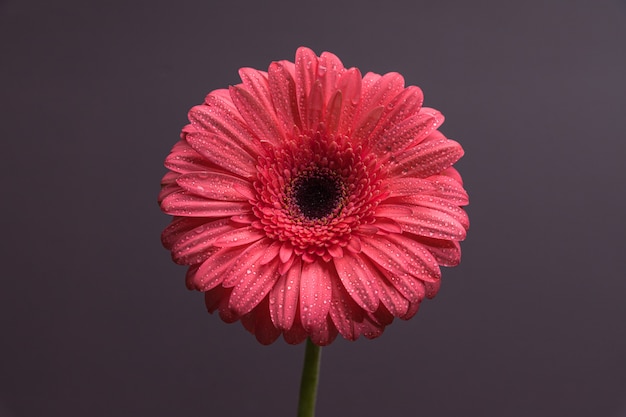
[{"x": 309, "y": 381}]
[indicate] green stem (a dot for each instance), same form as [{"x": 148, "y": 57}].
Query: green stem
[{"x": 310, "y": 377}]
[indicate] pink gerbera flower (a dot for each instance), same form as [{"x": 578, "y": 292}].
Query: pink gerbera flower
[{"x": 310, "y": 201}]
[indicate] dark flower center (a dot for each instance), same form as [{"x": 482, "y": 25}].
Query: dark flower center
[{"x": 317, "y": 194}]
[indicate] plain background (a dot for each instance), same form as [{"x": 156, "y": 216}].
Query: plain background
[{"x": 95, "y": 318}]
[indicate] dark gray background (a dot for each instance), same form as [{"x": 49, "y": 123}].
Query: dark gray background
[{"x": 95, "y": 319}]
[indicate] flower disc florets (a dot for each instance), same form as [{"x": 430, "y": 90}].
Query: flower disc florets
[
  {"x": 314, "y": 192},
  {"x": 310, "y": 201}
]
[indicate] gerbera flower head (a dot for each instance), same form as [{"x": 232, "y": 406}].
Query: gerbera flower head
[{"x": 311, "y": 201}]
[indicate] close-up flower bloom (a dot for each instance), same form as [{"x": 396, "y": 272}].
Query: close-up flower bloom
[{"x": 311, "y": 201}]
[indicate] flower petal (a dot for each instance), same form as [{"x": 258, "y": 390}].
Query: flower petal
[
  {"x": 184, "y": 159},
  {"x": 306, "y": 72},
  {"x": 359, "y": 280},
  {"x": 392, "y": 299},
  {"x": 425, "y": 266},
  {"x": 432, "y": 223},
  {"x": 407, "y": 133},
  {"x": 378, "y": 90},
  {"x": 449, "y": 188},
  {"x": 428, "y": 158},
  {"x": 261, "y": 121},
  {"x": 223, "y": 153},
  {"x": 259, "y": 323},
  {"x": 446, "y": 252},
  {"x": 217, "y": 299},
  {"x": 419, "y": 202},
  {"x": 284, "y": 297},
  {"x": 220, "y": 117},
  {"x": 392, "y": 210},
  {"x": 283, "y": 89},
  {"x": 178, "y": 227},
  {"x": 407, "y": 103},
  {"x": 398, "y": 254},
  {"x": 253, "y": 288},
  {"x": 216, "y": 186},
  {"x": 239, "y": 236},
  {"x": 257, "y": 84},
  {"x": 349, "y": 84},
  {"x": 184, "y": 204},
  {"x": 329, "y": 69},
  {"x": 409, "y": 186},
  {"x": 195, "y": 246},
  {"x": 245, "y": 267},
  {"x": 315, "y": 293},
  {"x": 296, "y": 334},
  {"x": 344, "y": 311},
  {"x": 211, "y": 272}
]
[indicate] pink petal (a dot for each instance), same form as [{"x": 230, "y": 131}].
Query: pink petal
[
  {"x": 407, "y": 133},
  {"x": 369, "y": 328},
  {"x": 223, "y": 153},
  {"x": 446, "y": 252},
  {"x": 217, "y": 186},
  {"x": 354, "y": 244},
  {"x": 190, "y": 275},
  {"x": 315, "y": 293},
  {"x": 271, "y": 252},
  {"x": 315, "y": 105},
  {"x": 168, "y": 185},
  {"x": 257, "y": 84},
  {"x": 296, "y": 334},
  {"x": 366, "y": 125},
  {"x": 388, "y": 225},
  {"x": 450, "y": 189},
  {"x": 359, "y": 280},
  {"x": 283, "y": 89},
  {"x": 398, "y": 254},
  {"x": 407, "y": 103},
  {"x": 349, "y": 84},
  {"x": 335, "y": 251},
  {"x": 217, "y": 299},
  {"x": 284, "y": 297},
  {"x": 408, "y": 186},
  {"x": 245, "y": 268},
  {"x": 324, "y": 334},
  {"x": 453, "y": 173},
  {"x": 184, "y": 204},
  {"x": 378, "y": 91},
  {"x": 420, "y": 202},
  {"x": 211, "y": 272},
  {"x": 178, "y": 227},
  {"x": 220, "y": 117},
  {"x": 428, "y": 268},
  {"x": 329, "y": 69},
  {"x": 332, "y": 116},
  {"x": 194, "y": 246},
  {"x": 239, "y": 236},
  {"x": 259, "y": 323},
  {"x": 413, "y": 308},
  {"x": 432, "y": 223},
  {"x": 432, "y": 288},
  {"x": 184, "y": 159},
  {"x": 392, "y": 210},
  {"x": 392, "y": 299},
  {"x": 344, "y": 311},
  {"x": 306, "y": 72},
  {"x": 261, "y": 121},
  {"x": 407, "y": 285},
  {"x": 285, "y": 252},
  {"x": 428, "y": 158},
  {"x": 253, "y": 288}
]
